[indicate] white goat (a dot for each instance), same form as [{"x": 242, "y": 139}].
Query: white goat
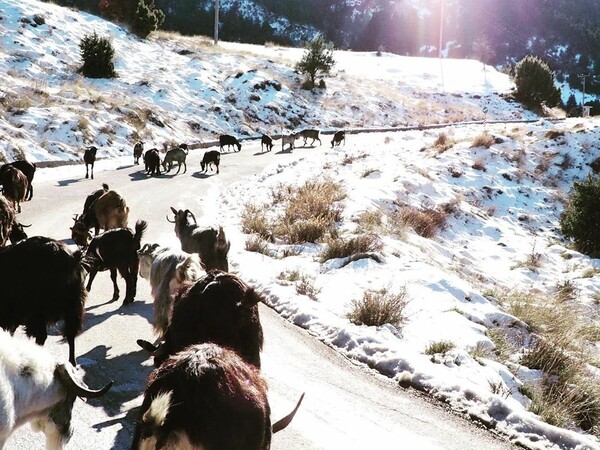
[
  {"x": 36, "y": 388},
  {"x": 166, "y": 269}
]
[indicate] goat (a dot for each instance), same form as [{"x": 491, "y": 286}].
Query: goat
[
  {"x": 210, "y": 157},
  {"x": 117, "y": 250},
  {"x": 42, "y": 283},
  {"x": 209, "y": 243},
  {"x": 206, "y": 397},
  {"x": 89, "y": 158},
  {"x": 14, "y": 186},
  {"x": 7, "y": 219},
  {"x": 229, "y": 141},
  {"x": 175, "y": 155},
  {"x": 28, "y": 170},
  {"x": 267, "y": 141},
  {"x": 152, "y": 162},
  {"x": 166, "y": 269},
  {"x": 138, "y": 149},
  {"x": 37, "y": 388},
  {"x": 338, "y": 137},
  {"x": 111, "y": 211},
  {"x": 309, "y": 134},
  {"x": 218, "y": 308},
  {"x": 17, "y": 233},
  {"x": 288, "y": 139},
  {"x": 80, "y": 231}
]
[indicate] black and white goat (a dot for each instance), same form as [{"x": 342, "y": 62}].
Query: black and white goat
[
  {"x": 7, "y": 219},
  {"x": 166, "y": 269},
  {"x": 209, "y": 243},
  {"x": 42, "y": 284},
  {"x": 218, "y": 308},
  {"x": 206, "y": 397},
  {"x": 39, "y": 389},
  {"x": 267, "y": 141},
  {"x": 117, "y": 250}
]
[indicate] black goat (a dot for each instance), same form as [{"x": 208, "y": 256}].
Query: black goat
[
  {"x": 218, "y": 308},
  {"x": 229, "y": 141},
  {"x": 209, "y": 243},
  {"x": 206, "y": 397},
  {"x": 338, "y": 137},
  {"x": 28, "y": 170},
  {"x": 89, "y": 158},
  {"x": 138, "y": 149},
  {"x": 152, "y": 161},
  {"x": 210, "y": 157},
  {"x": 267, "y": 141},
  {"x": 17, "y": 233},
  {"x": 42, "y": 283},
  {"x": 117, "y": 250}
]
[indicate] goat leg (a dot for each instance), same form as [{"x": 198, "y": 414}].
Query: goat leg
[{"x": 113, "y": 277}]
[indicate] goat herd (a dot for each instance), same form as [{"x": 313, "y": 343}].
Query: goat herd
[{"x": 207, "y": 390}]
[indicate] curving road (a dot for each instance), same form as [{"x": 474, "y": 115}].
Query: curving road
[{"x": 346, "y": 407}]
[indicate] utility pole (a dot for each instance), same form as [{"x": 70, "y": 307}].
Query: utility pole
[
  {"x": 583, "y": 76},
  {"x": 216, "y": 22}
]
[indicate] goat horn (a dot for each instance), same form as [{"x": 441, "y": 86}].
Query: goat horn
[
  {"x": 76, "y": 386},
  {"x": 171, "y": 221},
  {"x": 155, "y": 350},
  {"x": 285, "y": 421},
  {"x": 187, "y": 211},
  {"x": 25, "y": 226}
]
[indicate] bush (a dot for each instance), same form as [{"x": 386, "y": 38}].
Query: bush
[
  {"x": 535, "y": 83},
  {"x": 378, "y": 308},
  {"x": 318, "y": 58},
  {"x": 439, "y": 347},
  {"x": 97, "y": 54},
  {"x": 580, "y": 219},
  {"x": 147, "y": 18},
  {"x": 425, "y": 223}
]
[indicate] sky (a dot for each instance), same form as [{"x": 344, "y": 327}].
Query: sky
[{"x": 505, "y": 200}]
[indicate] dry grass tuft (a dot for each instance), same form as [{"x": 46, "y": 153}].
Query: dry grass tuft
[
  {"x": 379, "y": 307},
  {"x": 439, "y": 347},
  {"x": 369, "y": 221},
  {"x": 254, "y": 221},
  {"x": 341, "y": 248},
  {"x": 424, "y": 222},
  {"x": 257, "y": 245},
  {"x": 443, "y": 142},
  {"x": 483, "y": 140}
]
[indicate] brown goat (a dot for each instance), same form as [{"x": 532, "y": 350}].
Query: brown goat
[
  {"x": 15, "y": 186},
  {"x": 111, "y": 211}
]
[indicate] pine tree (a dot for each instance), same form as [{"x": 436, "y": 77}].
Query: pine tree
[
  {"x": 535, "y": 82},
  {"x": 318, "y": 58},
  {"x": 580, "y": 220},
  {"x": 97, "y": 54},
  {"x": 147, "y": 18}
]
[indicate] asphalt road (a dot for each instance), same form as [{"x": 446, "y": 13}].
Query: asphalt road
[{"x": 346, "y": 407}]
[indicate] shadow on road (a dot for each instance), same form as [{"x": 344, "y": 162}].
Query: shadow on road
[
  {"x": 68, "y": 181},
  {"x": 129, "y": 375},
  {"x": 137, "y": 308},
  {"x": 203, "y": 175}
]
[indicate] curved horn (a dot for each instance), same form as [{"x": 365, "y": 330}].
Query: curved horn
[
  {"x": 148, "y": 346},
  {"x": 284, "y": 422},
  {"x": 170, "y": 221},
  {"x": 25, "y": 226},
  {"x": 76, "y": 386},
  {"x": 187, "y": 211}
]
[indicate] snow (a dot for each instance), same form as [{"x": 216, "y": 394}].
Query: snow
[{"x": 503, "y": 201}]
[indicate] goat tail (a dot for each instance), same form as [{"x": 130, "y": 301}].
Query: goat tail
[{"x": 140, "y": 228}]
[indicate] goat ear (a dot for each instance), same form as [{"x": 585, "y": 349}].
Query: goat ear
[{"x": 251, "y": 297}]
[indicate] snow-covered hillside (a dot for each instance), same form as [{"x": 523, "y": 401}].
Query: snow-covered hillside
[
  {"x": 184, "y": 90},
  {"x": 500, "y": 200}
]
